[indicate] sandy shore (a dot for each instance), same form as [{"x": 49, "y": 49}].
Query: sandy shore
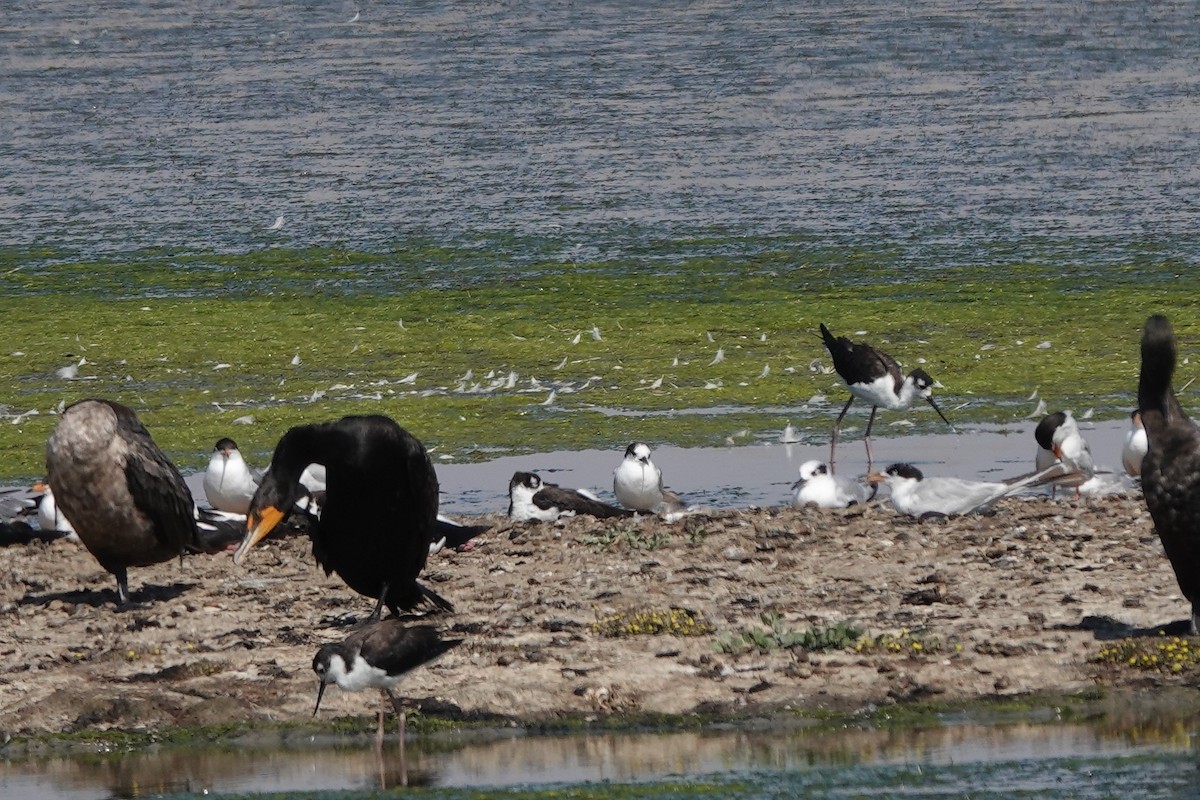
[{"x": 1012, "y": 603}]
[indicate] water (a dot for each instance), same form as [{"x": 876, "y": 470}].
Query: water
[
  {"x": 955, "y": 759},
  {"x": 973, "y": 133},
  {"x": 762, "y": 474}
]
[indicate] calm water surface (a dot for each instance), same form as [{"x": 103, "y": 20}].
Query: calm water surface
[
  {"x": 761, "y": 474},
  {"x": 938, "y": 130},
  {"x": 957, "y": 759}
]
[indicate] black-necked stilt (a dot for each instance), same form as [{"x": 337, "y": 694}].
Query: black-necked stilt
[
  {"x": 1060, "y": 442},
  {"x": 127, "y": 501},
  {"x": 229, "y": 482},
  {"x": 532, "y": 499},
  {"x": 638, "y": 483},
  {"x": 917, "y": 496},
  {"x": 1171, "y": 468},
  {"x": 379, "y": 511},
  {"x": 817, "y": 487},
  {"x": 1133, "y": 450},
  {"x": 377, "y": 656},
  {"x": 875, "y": 377}
]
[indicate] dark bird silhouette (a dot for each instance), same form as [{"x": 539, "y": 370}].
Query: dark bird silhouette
[
  {"x": 377, "y": 518},
  {"x": 1171, "y": 467},
  {"x": 127, "y": 501},
  {"x": 874, "y": 376},
  {"x": 21, "y": 532}
]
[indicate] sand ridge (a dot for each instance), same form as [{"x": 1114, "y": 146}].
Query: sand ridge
[{"x": 1008, "y": 603}]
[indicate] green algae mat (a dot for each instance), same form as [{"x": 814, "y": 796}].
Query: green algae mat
[{"x": 479, "y": 356}]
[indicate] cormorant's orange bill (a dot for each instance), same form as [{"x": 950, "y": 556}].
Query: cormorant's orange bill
[{"x": 257, "y": 526}]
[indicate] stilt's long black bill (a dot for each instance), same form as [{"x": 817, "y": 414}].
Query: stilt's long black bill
[
  {"x": 939, "y": 412},
  {"x": 320, "y": 692}
]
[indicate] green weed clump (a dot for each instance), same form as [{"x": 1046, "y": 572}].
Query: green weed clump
[
  {"x": 629, "y": 536},
  {"x": 1170, "y": 655},
  {"x": 653, "y": 622},
  {"x": 778, "y": 636},
  {"x": 904, "y": 642}
]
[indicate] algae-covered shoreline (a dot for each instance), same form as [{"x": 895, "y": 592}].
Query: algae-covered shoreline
[{"x": 480, "y": 362}]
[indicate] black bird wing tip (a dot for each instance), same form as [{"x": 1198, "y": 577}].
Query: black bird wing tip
[
  {"x": 159, "y": 491},
  {"x": 834, "y": 343},
  {"x": 446, "y": 645},
  {"x": 457, "y": 534},
  {"x": 436, "y": 599}
]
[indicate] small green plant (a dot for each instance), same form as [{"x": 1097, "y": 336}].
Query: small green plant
[
  {"x": 651, "y": 622},
  {"x": 1171, "y": 655},
  {"x": 777, "y": 636},
  {"x": 905, "y": 642},
  {"x": 631, "y": 537}
]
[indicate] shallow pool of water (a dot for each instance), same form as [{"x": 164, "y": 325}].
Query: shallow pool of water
[
  {"x": 762, "y": 474},
  {"x": 1053, "y": 759}
]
